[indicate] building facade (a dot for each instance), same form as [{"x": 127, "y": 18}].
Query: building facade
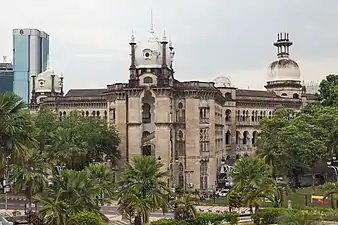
[
  {"x": 192, "y": 127},
  {"x": 6, "y": 76},
  {"x": 30, "y": 56}
]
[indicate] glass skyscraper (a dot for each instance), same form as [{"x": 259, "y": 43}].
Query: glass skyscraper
[
  {"x": 30, "y": 57},
  {"x": 6, "y": 77}
]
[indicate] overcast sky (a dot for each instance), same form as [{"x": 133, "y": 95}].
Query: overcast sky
[{"x": 233, "y": 38}]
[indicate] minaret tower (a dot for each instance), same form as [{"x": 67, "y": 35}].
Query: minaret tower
[{"x": 284, "y": 73}]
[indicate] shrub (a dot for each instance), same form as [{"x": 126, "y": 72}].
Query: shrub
[
  {"x": 169, "y": 222},
  {"x": 231, "y": 217},
  {"x": 214, "y": 218},
  {"x": 87, "y": 218},
  {"x": 267, "y": 216},
  {"x": 298, "y": 217}
]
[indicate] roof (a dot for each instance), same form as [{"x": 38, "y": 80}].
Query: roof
[
  {"x": 311, "y": 96},
  {"x": 84, "y": 92},
  {"x": 255, "y": 93}
]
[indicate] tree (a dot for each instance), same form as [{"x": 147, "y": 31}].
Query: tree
[
  {"x": 252, "y": 178},
  {"x": 328, "y": 90},
  {"x": 30, "y": 175},
  {"x": 268, "y": 146},
  {"x": 298, "y": 218},
  {"x": 75, "y": 141},
  {"x": 185, "y": 207},
  {"x": 304, "y": 145},
  {"x": 143, "y": 188},
  {"x": 16, "y": 128}
]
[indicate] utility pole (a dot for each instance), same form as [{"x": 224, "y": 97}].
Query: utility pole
[{"x": 6, "y": 184}]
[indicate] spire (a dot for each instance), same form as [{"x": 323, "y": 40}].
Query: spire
[
  {"x": 283, "y": 43},
  {"x": 151, "y": 22},
  {"x": 132, "y": 39}
]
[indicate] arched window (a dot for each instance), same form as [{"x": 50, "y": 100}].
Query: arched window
[
  {"x": 228, "y": 138},
  {"x": 146, "y": 115},
  {"x": 98, "y": 113},
  {"x": 227, "y": 96},
  {"x": 228, "y": 115},
  {"x": 254, "y": 137},
  {"x": 181, "y": 175},
  {"x": 295, "y": 96},
  {"x": 204, "y": 176},
  {"x": 237, "y": 137},
  {"x": 147, "y": 80},
  {"x": 270, "y": 114},
  {"x": 87, "y": 113},
  {"x": 284, "y": 94},
  {"x": 253, "y": 116},
  {"x": 245, "y": 137}
]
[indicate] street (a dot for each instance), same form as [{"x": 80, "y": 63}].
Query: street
[{"x": 107, "y": 210}]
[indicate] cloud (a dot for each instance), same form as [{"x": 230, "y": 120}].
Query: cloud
[{"x": 89, "y": 39}]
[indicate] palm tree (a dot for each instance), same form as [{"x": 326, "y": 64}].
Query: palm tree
[
  {"x": 185, "y": 206},
  {"x": 103, "y": 178},
  {"x": 30, "y": 175},
  {"x": 252, "y": 177},
  {"x": 16, "y": 127},
  {"x": 53, "y": 211},
  {"x": 143, "y": 188}
]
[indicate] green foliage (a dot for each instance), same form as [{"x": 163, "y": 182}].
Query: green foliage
[
  {"x": 328, "y": 90},
  {"x": 87, "y": 218},
  {"x": 235, "y": 199},
  {"x": 202, "y": 219},
  {"x": 142, "y": 188},
  {"x": 298, "y": 217},
  {"x": 75, "y": 140},
  {"x": 267, "y": 216}
]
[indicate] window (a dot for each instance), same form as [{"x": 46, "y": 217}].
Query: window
[
  {"x": 227, "y": 96},
  {"x": 204, "y": 146},
  {"x": 41, "y": 82},
  {"x": 204, "y": 176},
  {"x": 228, "y": 138},
  {"x": 148, "y": 80},
  {"x": 295, "y": 96},
  {"x": 228, "y": 115},
  {"x": 284, "y": 94},
  {"x": 204, "y": 114},
  {"x": 181, "y": 175}
]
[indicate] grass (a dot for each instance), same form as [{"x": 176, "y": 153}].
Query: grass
[{"x": 297, "y": 199}]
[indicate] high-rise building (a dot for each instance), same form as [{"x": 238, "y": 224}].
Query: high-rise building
[
  {"x": 6, "y": 76},
  {"x": 30, "y": 56}
]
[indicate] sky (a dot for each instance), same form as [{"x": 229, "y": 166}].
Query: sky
[{"x": 232, "y": 38}]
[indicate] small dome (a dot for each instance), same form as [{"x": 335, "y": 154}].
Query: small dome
[
  {"x": 283, "y": 69},
  {"x": 222, "y": 82},
  {"x": 43, "y": 81},
  {"x": 149, "y": 55}
]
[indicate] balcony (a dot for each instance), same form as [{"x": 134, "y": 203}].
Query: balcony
[
  {"x": 247, "y": 123},
  {"x": 204, "y": 154}
]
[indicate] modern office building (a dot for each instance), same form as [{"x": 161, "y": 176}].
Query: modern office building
[
  {"x": 30, "y": 56},
  {"x": 6, "y": 76}
]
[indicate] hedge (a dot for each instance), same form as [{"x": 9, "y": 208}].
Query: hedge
[
  {"x": 202, "y": 219},
  {"x": 271, "y": 215}
]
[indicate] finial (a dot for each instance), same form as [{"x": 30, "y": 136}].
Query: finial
[
  {"x": 170, "y": 43},
  {"x": 132, "y": 37},
  {"x": 164, "y": 36},
  {"x": 61, "y": 75},
  {"x": 151, "y": 22}
]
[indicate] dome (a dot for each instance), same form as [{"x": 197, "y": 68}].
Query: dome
[
  {"x": 283, "y": 69},
  {"x": 149, "y": 55},
  {"x": 43, "y": 81},
  {"x": 222, "y": 82}
]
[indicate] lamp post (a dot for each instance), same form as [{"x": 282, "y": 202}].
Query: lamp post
[{"x": 6, "y": 183}]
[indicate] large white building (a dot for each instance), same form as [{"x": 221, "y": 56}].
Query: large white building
[{"x": 192, "y": 127}]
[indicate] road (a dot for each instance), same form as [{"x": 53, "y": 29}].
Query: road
[{"x": 107, "y": 210}]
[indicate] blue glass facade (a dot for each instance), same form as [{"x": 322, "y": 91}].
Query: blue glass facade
[
  {"x": 6, "y": 77},
  {"x": 44, "y": 53},
  {"x": 30, "y": 56},
  {"x": 21, "y": 66}
]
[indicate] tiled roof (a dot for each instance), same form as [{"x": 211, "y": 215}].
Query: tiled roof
[
  {"x": 255, "y": 93},
  {"x": 84, "y": 92}
]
